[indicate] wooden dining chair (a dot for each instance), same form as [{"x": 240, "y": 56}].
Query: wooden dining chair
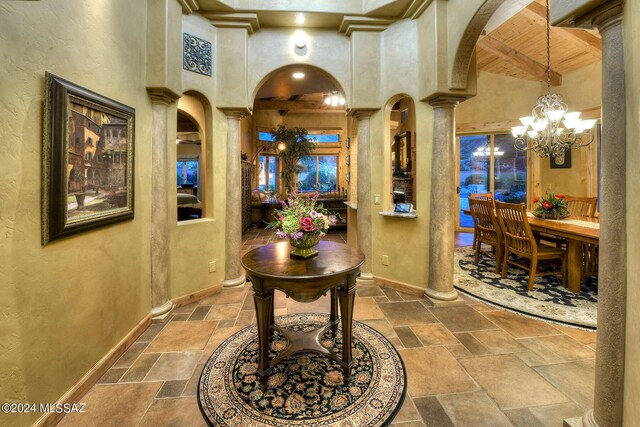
[
  {"x": 486, "y": 228},
  {"x": 582, "y": 206},
  {"x": 477, "y": 196},
  {"x": 519, "y": 240}
]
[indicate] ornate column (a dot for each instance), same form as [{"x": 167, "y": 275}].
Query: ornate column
[
  {"x": 233, "y": 217},
  {"x": 442, "y": 213},
  {"x": 612, "y": 274},
  {"x": 160, "y": 259},
  {"x": 364, "y": 193}
]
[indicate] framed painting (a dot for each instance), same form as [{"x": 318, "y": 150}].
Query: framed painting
[
  {"x": 562, "y": 161},
  {"x": 87, "y": 160}
]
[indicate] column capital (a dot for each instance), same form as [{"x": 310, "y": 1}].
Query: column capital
[
  {"x": 601, "y": 17},
  {"x": 236, "y": 113},
  {"x": 445, "y": 100},
  {"x": 361, "y": 113},
  {"x": 162, "y": 95}
]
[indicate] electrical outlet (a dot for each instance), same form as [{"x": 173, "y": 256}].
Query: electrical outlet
[
  {"x": 385, "y": 259},
  {"x": 376, "y": 199},
  {"x": 212, "y": 266}
]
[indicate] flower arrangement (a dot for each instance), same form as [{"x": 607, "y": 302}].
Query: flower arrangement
[
  {"x": 551, "y": 206},
  {"x": 300, "y": 216}
]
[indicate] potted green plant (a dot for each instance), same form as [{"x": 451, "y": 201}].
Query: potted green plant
[{"x": 297, "y": 145}]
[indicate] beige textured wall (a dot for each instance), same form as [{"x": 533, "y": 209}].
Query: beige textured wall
[
  {"x": 65, "y": 305},
  {"x": 632, "y": 65},
  {"x": 502, "y": 98},
  {"x": 194, "y": 243}
]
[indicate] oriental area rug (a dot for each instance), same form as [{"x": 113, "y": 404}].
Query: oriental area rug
[
  {"x": 305, "y": 389},
  {"x": 548, "y": 300}
]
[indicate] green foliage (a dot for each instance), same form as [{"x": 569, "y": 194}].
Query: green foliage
[
  {"x": 475, "y": 178},
  {"x": 551, "y": 206},
  {"x": 298, "y": 145}
]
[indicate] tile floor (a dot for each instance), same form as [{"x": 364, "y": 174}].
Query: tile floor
[{"x": 471, "y": 365}]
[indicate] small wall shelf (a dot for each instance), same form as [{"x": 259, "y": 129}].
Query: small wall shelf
[
  {"x": 410, "y": 215},
  {"x": 352, "y": 205}
]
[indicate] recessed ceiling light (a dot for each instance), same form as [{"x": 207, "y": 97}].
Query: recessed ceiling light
[
  {"x": 298, "y": 75},
  {"x": 299, "y": 19}
]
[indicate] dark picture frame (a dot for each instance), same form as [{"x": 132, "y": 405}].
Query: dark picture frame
[
  {"x": 87, "y": 160},
  {"x": 402, "y": 163},
  {"x": 561, "y": 162}
]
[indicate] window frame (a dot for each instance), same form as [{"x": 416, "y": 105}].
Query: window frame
[{"x": 317, "y": 156}]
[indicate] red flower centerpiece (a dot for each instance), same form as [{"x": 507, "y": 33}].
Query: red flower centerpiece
[
  {"x": 304, "y": 222},
  {"x": 553, "y": 206}
]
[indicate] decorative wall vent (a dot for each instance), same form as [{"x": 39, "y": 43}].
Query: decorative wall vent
[{"x": 196, "y": 55}]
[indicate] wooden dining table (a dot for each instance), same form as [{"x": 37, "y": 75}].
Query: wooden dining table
[{"x": 576, "y": 230}]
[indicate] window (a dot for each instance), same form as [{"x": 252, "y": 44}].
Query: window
[
  {"x": 328, "y": 138},
  {"x": 318, "y": 173},
  {"x": 268, "y": 174},
  {"x": 490, "y": 163},
  {"x": 187, "y": 173}
]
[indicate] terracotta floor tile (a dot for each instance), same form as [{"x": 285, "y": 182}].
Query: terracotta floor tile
[
  {"x": 200, "y": 313},
  {"x": 498, "y": 342},
  {"x": 180, "y": 317},
  {"x": 409, "y": 424},
  {"x": 369, "y": 291},
  {"x": 510, "y": 382},
  {"x": 130, "y": 356},
  {"x": 140, "y": 368},
  {"x": 407, "y": 337},
  {"x": 112, "y": 376},
  {"x": 524, "y": 418},
  {"x": 191, "y": 389},
  {"x": 533, "y": 358},
  {"x": 171, "y": 389},
  {"x": 473, "y": 409},
  {"x": 320, "y": 305},
  {"x": 575, "y": 379},
  {"x": 382, "y": 326},
  {"x": 473, "y": 345},
  {"x": 151, "y": 332},
  {"x": 407, "y": 412},
  {"x": 114, "y": 405},
  {"x": 409, "y": 297},
  {"x": 566, "y": 348},
  {"x": 173, "y": 412},
  {"x": 580, "y": 335},
  {"x": 458, "y": 351},
  {"x": 406, "y": 313},
  {"x": 462, "y": 319},
  {"x": 226, "y": 296},
  {"x": 188, "y": 309},
  {"x": 434, "y": 334},
  {"x": 182, "y": 336},
  {"x": 432, "y": 412},
  {"x": 279, "y": 302},
  {"x": 245, "y": 318},
  {"x": 392, "y": 295},
  {"x": 554, "y": 415},
  {"x": 224, "y": 312},
  {"x": 432, "y": 370},
  {"x": 520, "y": 326},
  {"x": 173, "y": 366},
  {"x": 218, "y": 336},
  {"x": 366, "y": 308}
]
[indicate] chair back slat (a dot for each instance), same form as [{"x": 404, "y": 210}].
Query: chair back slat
[
  {"x": 582, "y": 206},
  {"x": 485, "y": 219},
  {"x": 514, "y": 223}
]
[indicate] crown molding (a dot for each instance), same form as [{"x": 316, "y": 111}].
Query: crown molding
[
  {"x": 248, "y": 21},
  {"x": 189, "y": 6},
  {"x": 350, "y": 24}
]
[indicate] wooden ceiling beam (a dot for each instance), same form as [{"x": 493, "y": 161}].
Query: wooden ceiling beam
[
  {"x": 520, "y": 60},
  {"x": 591, "y": 43}
]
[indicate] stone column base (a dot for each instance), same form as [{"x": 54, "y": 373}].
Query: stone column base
[
  {"x": 451, "y": 295},
  {"x": 160, "y": 313},
  {"x": 364, "y": 279},
  {"x": 444, "y": 303},
  {"x": 234, "y": 283}
]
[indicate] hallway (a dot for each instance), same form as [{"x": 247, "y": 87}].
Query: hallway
[{"x": 471, "y": 365}]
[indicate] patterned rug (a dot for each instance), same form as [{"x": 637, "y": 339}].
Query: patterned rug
[
  {"x": 548, "y": 299},
  {"x": 305, "y": 389}
]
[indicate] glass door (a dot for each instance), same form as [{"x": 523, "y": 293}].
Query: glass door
[{"x": 489, "y": 163}]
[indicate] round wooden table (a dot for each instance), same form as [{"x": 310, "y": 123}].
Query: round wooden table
[{"x": 333, "y": 270}]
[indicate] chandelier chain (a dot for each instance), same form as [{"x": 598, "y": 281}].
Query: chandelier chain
[{"x": 548, "y": 51}]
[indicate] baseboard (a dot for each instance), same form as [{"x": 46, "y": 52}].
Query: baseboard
[
  {"x": 80, "y": 388},
  {"x": 400, "y": 286},
  {"x": 196, "y": 296}
]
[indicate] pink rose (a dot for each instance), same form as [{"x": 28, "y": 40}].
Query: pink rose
[{"x": 307, "y": 224}]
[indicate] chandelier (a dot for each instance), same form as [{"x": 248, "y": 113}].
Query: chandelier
[
  {"x": 334, "y": 99},
  {"x": 542, "y": 132}
]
